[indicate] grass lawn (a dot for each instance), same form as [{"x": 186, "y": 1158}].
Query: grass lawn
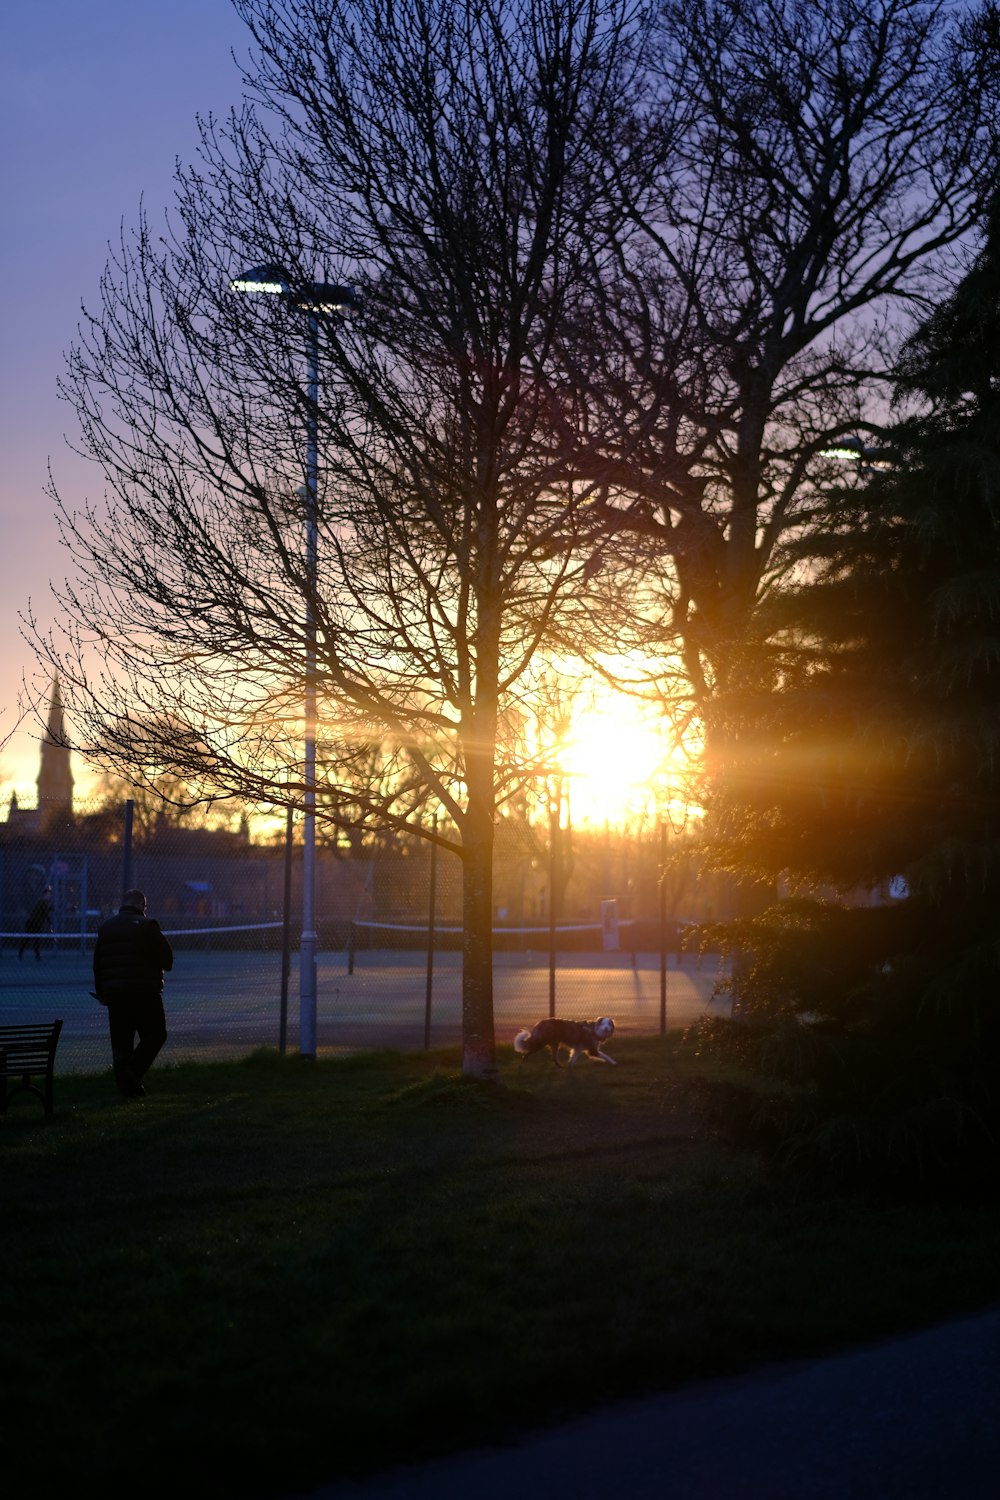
[{"x": 268, "y": 1274}]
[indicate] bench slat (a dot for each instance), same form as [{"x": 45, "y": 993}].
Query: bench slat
[{"x": 28, "y": 1051}]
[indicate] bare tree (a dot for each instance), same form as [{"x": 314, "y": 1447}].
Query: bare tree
[
  {"x": 798, "y": 181},
  {"x": 441, "y": 158}
]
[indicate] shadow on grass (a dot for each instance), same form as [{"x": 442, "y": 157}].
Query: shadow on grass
[{"x": 269, "y": 1273}]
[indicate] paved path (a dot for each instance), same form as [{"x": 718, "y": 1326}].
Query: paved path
[{"x": 915, "y": 1418}]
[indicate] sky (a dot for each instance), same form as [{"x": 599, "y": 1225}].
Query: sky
[{"x": 97, "y": 102}]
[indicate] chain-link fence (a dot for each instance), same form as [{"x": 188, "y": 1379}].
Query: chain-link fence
[{"x": 598, "y": 933}]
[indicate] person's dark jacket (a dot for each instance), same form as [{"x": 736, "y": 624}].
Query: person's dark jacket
[
  {"x": 39, "y": 917},
  {"x": 130, "y": 956}
]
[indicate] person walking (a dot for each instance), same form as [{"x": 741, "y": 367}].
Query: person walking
[
  {"x": 38, "y": 920},
  {"x": 131, "y": 956}
]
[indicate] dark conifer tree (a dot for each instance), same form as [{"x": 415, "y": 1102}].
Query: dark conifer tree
[{"x": 868, "y": 784}]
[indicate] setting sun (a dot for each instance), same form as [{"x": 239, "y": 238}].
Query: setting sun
[{"x": 618, "y": 758}]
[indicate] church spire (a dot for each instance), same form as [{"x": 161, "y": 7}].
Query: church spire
[{"x": 55, "y": 776}]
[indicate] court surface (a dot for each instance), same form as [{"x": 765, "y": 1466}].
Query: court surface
[{"x": 227, "y": 1004}]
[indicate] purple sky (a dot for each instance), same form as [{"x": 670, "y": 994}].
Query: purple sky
[{"x": 97, "y": 101}]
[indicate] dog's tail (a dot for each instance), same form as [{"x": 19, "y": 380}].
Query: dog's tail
[{"x": 525, "y": 1042}]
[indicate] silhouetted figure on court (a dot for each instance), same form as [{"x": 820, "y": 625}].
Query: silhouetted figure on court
[
  {"x": 38, "y": 920},
  {"x": 130, "y": 957}
]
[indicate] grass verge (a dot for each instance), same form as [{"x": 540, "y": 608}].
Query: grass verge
[{"x": 267, "y": 1275}]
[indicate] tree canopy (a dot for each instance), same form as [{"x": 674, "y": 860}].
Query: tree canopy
[
  {"x": 797, "y": 181},
  {"x": 868, "y": 780}
]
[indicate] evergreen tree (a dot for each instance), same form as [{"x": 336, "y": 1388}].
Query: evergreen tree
[{"x": 868, "y": 780}]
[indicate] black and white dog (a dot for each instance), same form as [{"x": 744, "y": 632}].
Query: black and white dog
[{"x": 583, "y": 1038}]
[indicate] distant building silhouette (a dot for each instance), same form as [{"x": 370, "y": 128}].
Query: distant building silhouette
[{"x": 55, "y": 776}]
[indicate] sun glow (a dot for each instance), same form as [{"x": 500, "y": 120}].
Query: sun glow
[{"x": 621, "y": 763}]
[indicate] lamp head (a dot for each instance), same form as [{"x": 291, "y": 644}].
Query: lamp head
[
  {"x": 323, "y": 296},
  {"x": 853, "y": 450},
  {"x": 270, "y": 279},
  {"x": 850, "y": 448},
  {"x": 309, "y": 296}
]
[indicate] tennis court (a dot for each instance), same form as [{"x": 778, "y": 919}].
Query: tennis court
[{"x": 226, "y": 1003}]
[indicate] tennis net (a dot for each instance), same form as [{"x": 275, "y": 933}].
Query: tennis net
[{"x": 416, "y": 936}]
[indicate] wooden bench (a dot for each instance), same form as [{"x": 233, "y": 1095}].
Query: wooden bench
[{"x": 28, "y": 1052}]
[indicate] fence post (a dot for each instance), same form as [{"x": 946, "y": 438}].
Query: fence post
[
  {"x": 430, "y": 938},
  {"x": 553, "y": 826},
  {"x": 663, "y": 929},
  {"x": 84, "y": 899},
  {"x": 127, "y": 847},
  {"x": 286, "y": 935}
]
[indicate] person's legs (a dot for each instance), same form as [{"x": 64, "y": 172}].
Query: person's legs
[
  {"x": 151, "y": 1024},
  {"x": 122, "y": 1027}
]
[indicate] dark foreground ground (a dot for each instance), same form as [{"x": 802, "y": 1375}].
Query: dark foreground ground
[
  {"x": 268, "y": 1277},
  {"x": 915, "y": 1418}
]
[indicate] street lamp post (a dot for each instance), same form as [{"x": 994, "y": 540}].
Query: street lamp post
[{"x": 312, "y": 298}]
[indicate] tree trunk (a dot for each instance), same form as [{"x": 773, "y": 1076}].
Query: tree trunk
[
  {"x": 479, "y": 746},
  {"x": 478, "y": 1045}
]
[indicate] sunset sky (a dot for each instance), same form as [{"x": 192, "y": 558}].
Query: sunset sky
[{"x": 96, "y": 102}]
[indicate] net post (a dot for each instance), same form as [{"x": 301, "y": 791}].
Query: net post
[
  {"x": 432, "y": 903},
  {"x": 127, "y": 847},
  {"x": 286, "y": 936},
  {"x": 663, "y": 929},
  {"x": 553, "y": 834}
]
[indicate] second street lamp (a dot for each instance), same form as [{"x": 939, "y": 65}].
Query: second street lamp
[{"x": 312, "y": 298}]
